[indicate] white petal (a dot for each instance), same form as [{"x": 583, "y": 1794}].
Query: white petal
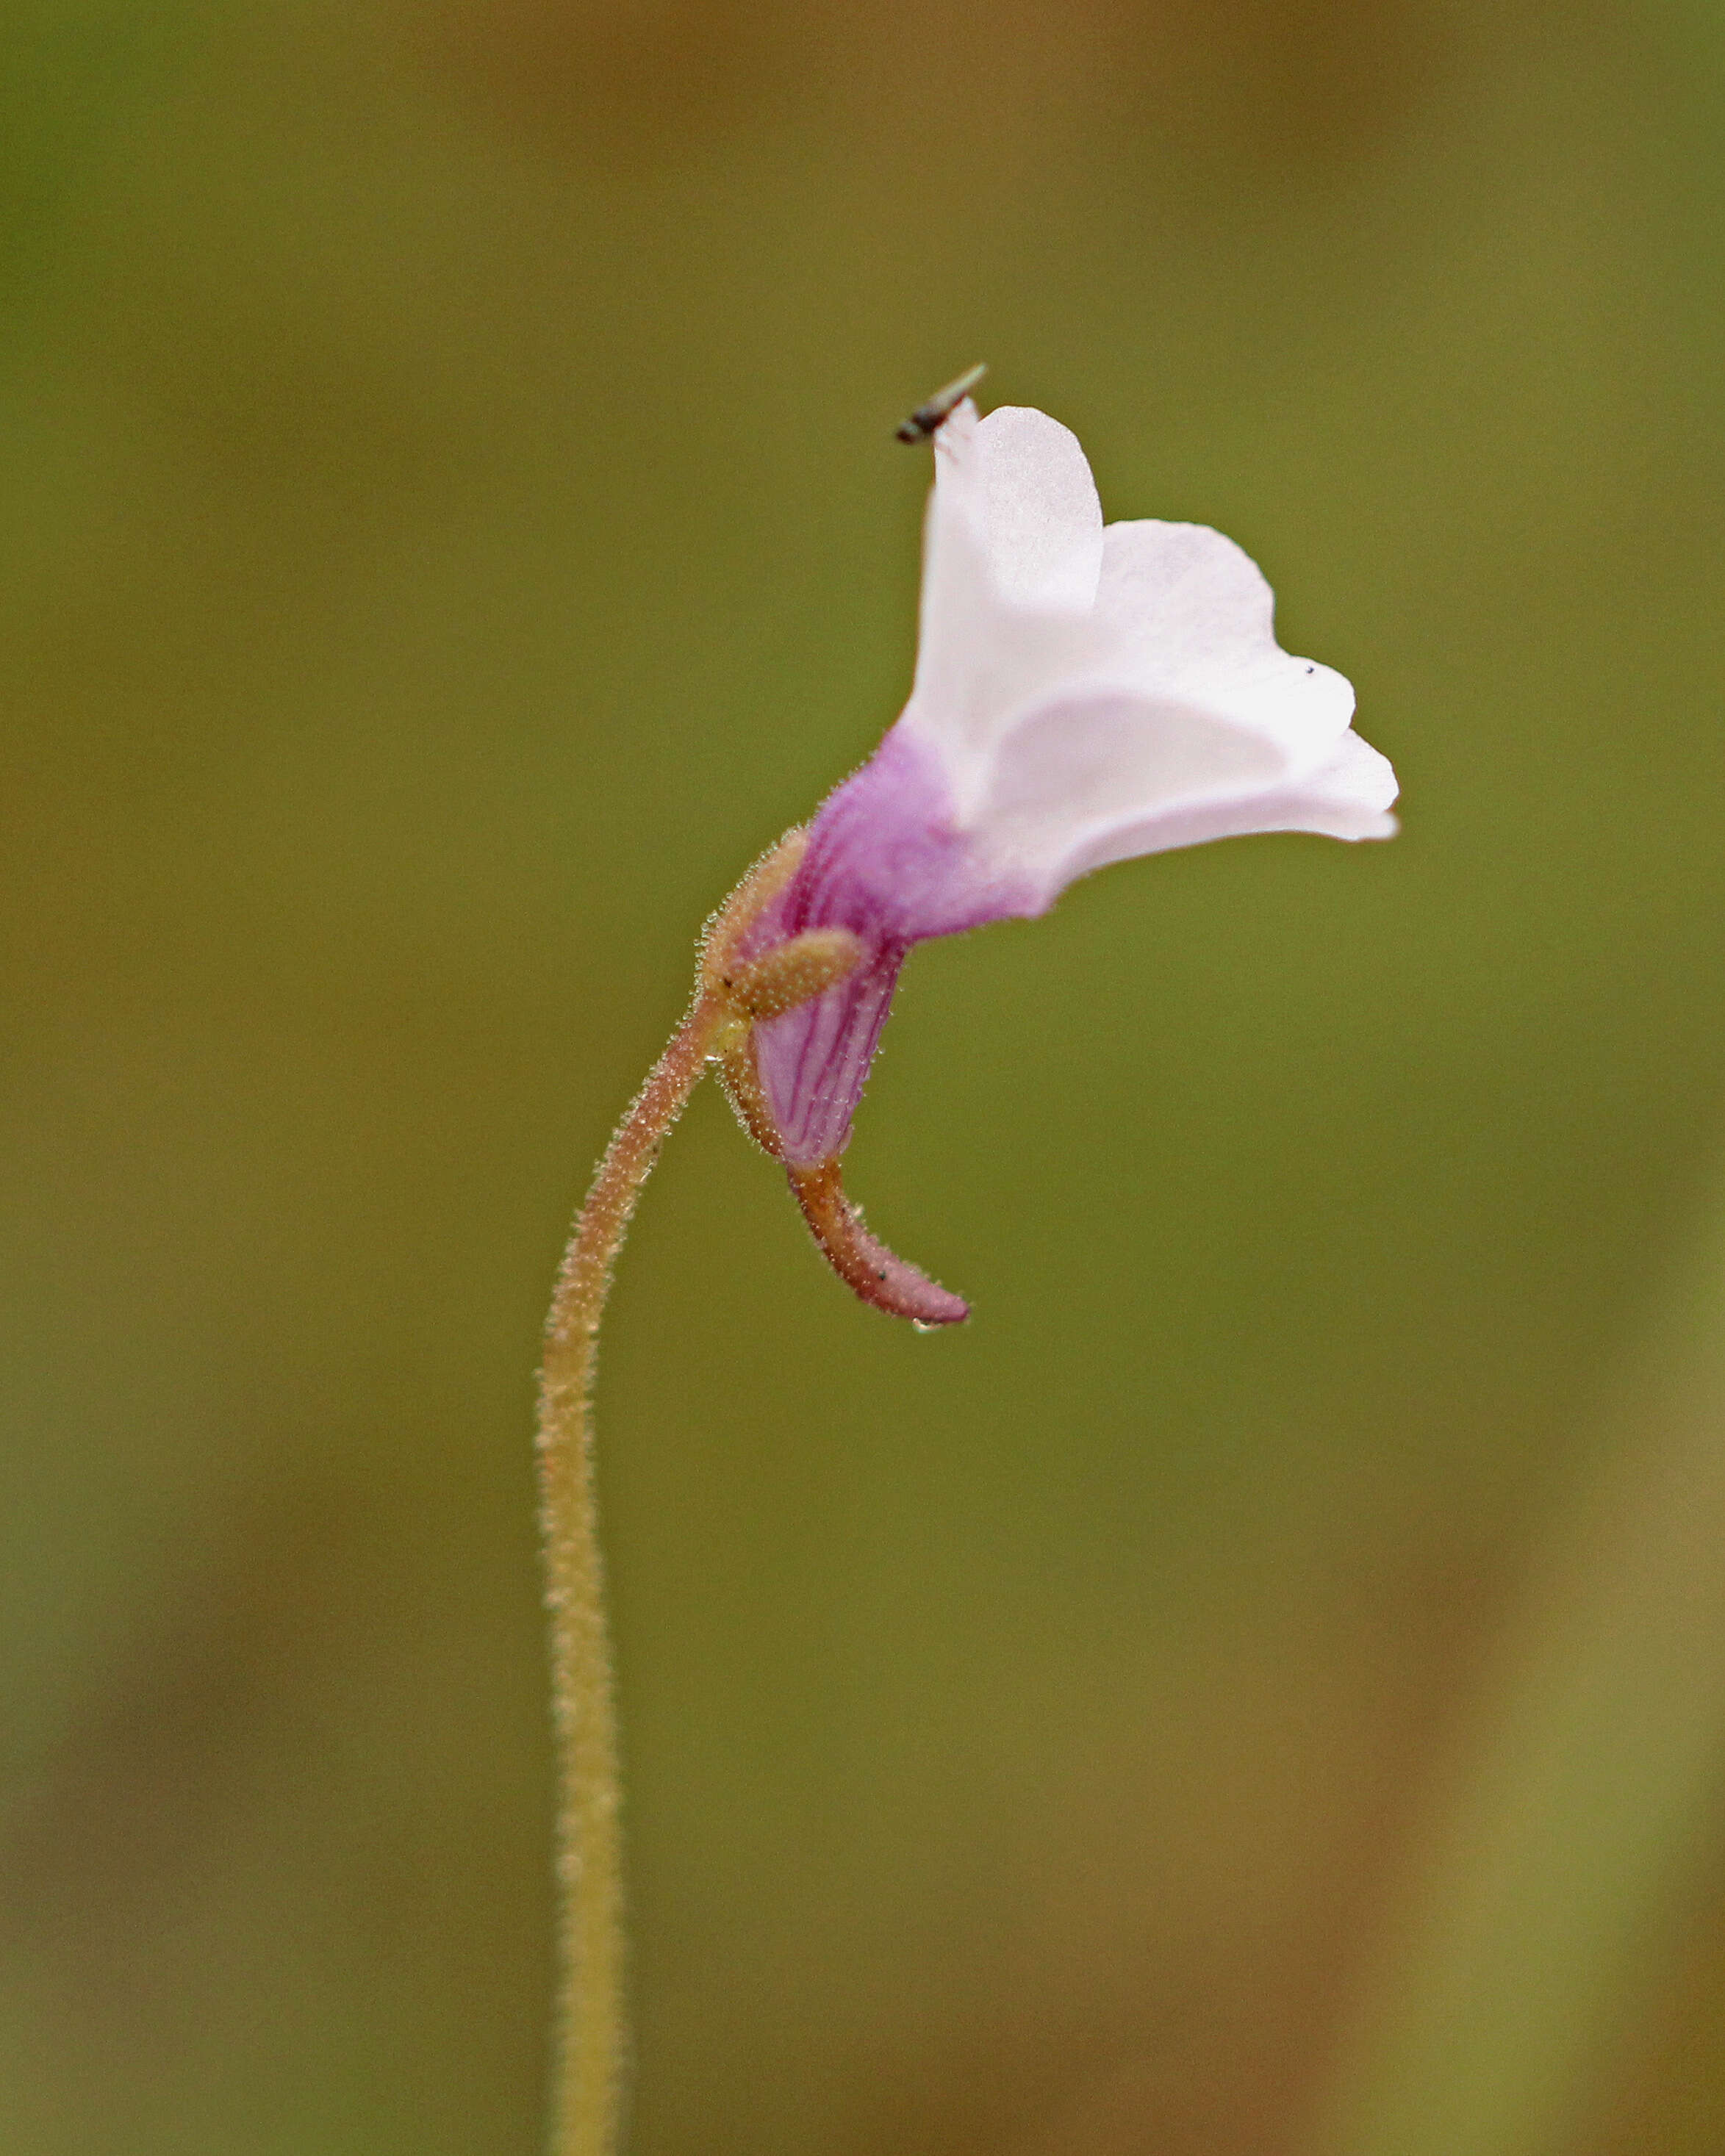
[
  {"x": 1012, "y": 553},
  {"x": 1102, "y": 777},
  {"x": 1029, "y": 481},
  {"x": 1183, "y": 612},
  {"x": 1348, "y": 798}
]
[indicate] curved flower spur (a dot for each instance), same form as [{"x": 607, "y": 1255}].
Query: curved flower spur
[{"x": 1082, "y": 694}]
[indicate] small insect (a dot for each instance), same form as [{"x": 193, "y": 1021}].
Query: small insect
[{"x": 925, "y": 421}]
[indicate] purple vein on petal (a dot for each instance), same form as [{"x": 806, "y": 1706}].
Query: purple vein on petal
[{"x": 887, "y": 859}]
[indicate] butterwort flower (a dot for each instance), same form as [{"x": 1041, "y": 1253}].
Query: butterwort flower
[{"x": 1083, "y": 693}]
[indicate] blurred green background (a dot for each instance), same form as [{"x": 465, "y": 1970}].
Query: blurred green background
[{"x": 450, "y": 526}]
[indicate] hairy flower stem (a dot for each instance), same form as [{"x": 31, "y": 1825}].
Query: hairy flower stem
[{"x": 589, "y": 2036}]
